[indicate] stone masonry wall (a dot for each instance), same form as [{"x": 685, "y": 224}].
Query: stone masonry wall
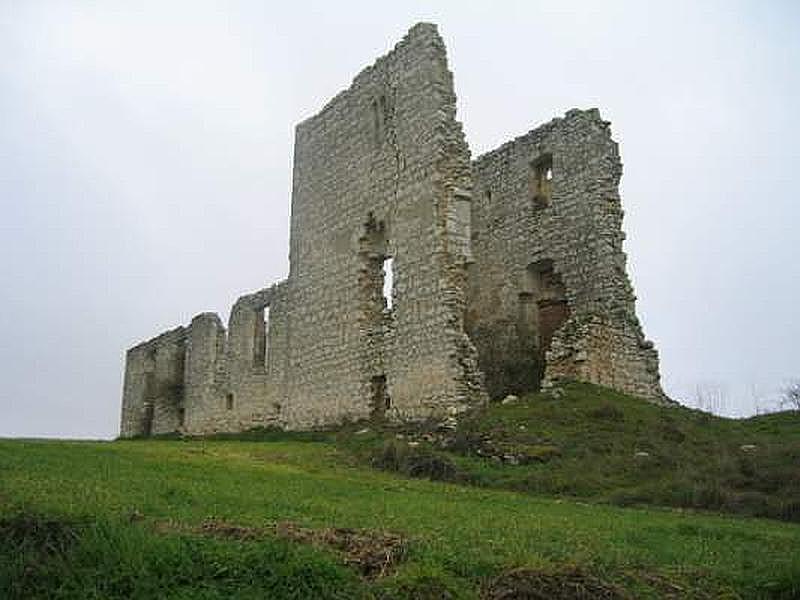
[
  {"x": 153, "y": 391},
  {"x": 381, "y": 172},
  {"x": 376, "y": 175},
  {"x": 506, "y": 271},
  {"x": 547, "y": 243}
]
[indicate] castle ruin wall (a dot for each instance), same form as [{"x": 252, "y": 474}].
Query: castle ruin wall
[
  {"x": 375, "y": 176},
  {"x": 382, "y": 177},
  {"x": 153, "y": 389},
  {"x": 506, "y": 272},
  {"x": 549, "y": 293}
]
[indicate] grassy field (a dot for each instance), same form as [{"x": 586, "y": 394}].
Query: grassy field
[{"x": 304, "y": 516}]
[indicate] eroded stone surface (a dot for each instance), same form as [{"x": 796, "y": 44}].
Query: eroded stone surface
[
  {"x": 504, "y": 271},
  {"x": 549, "y": 293}
]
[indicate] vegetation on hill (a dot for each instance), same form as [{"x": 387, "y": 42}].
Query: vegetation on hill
[
  {"x": 308, "y": 516},
  {"x": 593, "y": 443}
]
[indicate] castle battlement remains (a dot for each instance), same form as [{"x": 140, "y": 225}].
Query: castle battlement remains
[{"x": 507, "y": 272}]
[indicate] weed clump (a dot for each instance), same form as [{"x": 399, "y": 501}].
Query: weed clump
[
  {"x": 38, "y": 535},
  {"x": 28, "y": 541},
  {"x": 418, "y": 462},
  {"x": 372, "y": 553}
]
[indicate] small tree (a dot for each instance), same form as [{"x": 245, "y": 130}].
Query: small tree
[{"x": 791, "y": 395}]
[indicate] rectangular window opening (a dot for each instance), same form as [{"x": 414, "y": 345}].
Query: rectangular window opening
[
  {"x": 388, "y": 281},
  {"x": 266, "y": 336},
  {"x": 541, "y": 180},
  {"x": 229, "y": 401},
  {"x": 260, "y": 337}
]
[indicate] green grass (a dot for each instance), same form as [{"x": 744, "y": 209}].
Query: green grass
[
  {"x": 695, "y": 459},
  {"x": 584, "y": 445},
  {"x": 116, "y": 519}
]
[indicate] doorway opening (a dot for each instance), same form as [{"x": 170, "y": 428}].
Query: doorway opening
[
  {"x": 543, "y": 309},
  {"x": 379, "y": 401}
]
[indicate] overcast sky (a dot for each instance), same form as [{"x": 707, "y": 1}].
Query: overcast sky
[{"x": 145, "y": 169}]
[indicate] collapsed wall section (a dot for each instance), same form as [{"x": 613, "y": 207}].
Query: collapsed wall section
[
  {"x": 379, "y": 175},
  {"x": 549, "y": 294},
  {"x": 203, "y": 378},
  {"x": 153, "y": 391},
  {"x": 251, "y": 394}
]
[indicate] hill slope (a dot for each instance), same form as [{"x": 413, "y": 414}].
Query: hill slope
[
  {"x": 593, "y": 443},
  {"x": 291, "y": 517}
]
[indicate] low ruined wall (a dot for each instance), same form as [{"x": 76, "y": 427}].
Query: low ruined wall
[
  {"x": 607, "y": 353},
  {"x": 204, "y": 378},
  {"x": 153, "y": 390}
]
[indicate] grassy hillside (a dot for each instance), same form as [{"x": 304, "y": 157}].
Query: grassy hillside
[
  {"x": 304, "y": 516},
  {"x": 593, "y": 443}
]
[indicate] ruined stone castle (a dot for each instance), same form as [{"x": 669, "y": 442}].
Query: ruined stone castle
[{"x": 507, "y": 272}]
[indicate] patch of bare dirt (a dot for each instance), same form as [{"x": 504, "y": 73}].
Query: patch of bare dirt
[
  {"x": 226, "y": 530},
  {"x": 372, "y": 553},
  {"x": 528, "y": 584}
]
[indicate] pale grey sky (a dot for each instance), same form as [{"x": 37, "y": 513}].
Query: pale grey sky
[{"x": 145, "y": 169}]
